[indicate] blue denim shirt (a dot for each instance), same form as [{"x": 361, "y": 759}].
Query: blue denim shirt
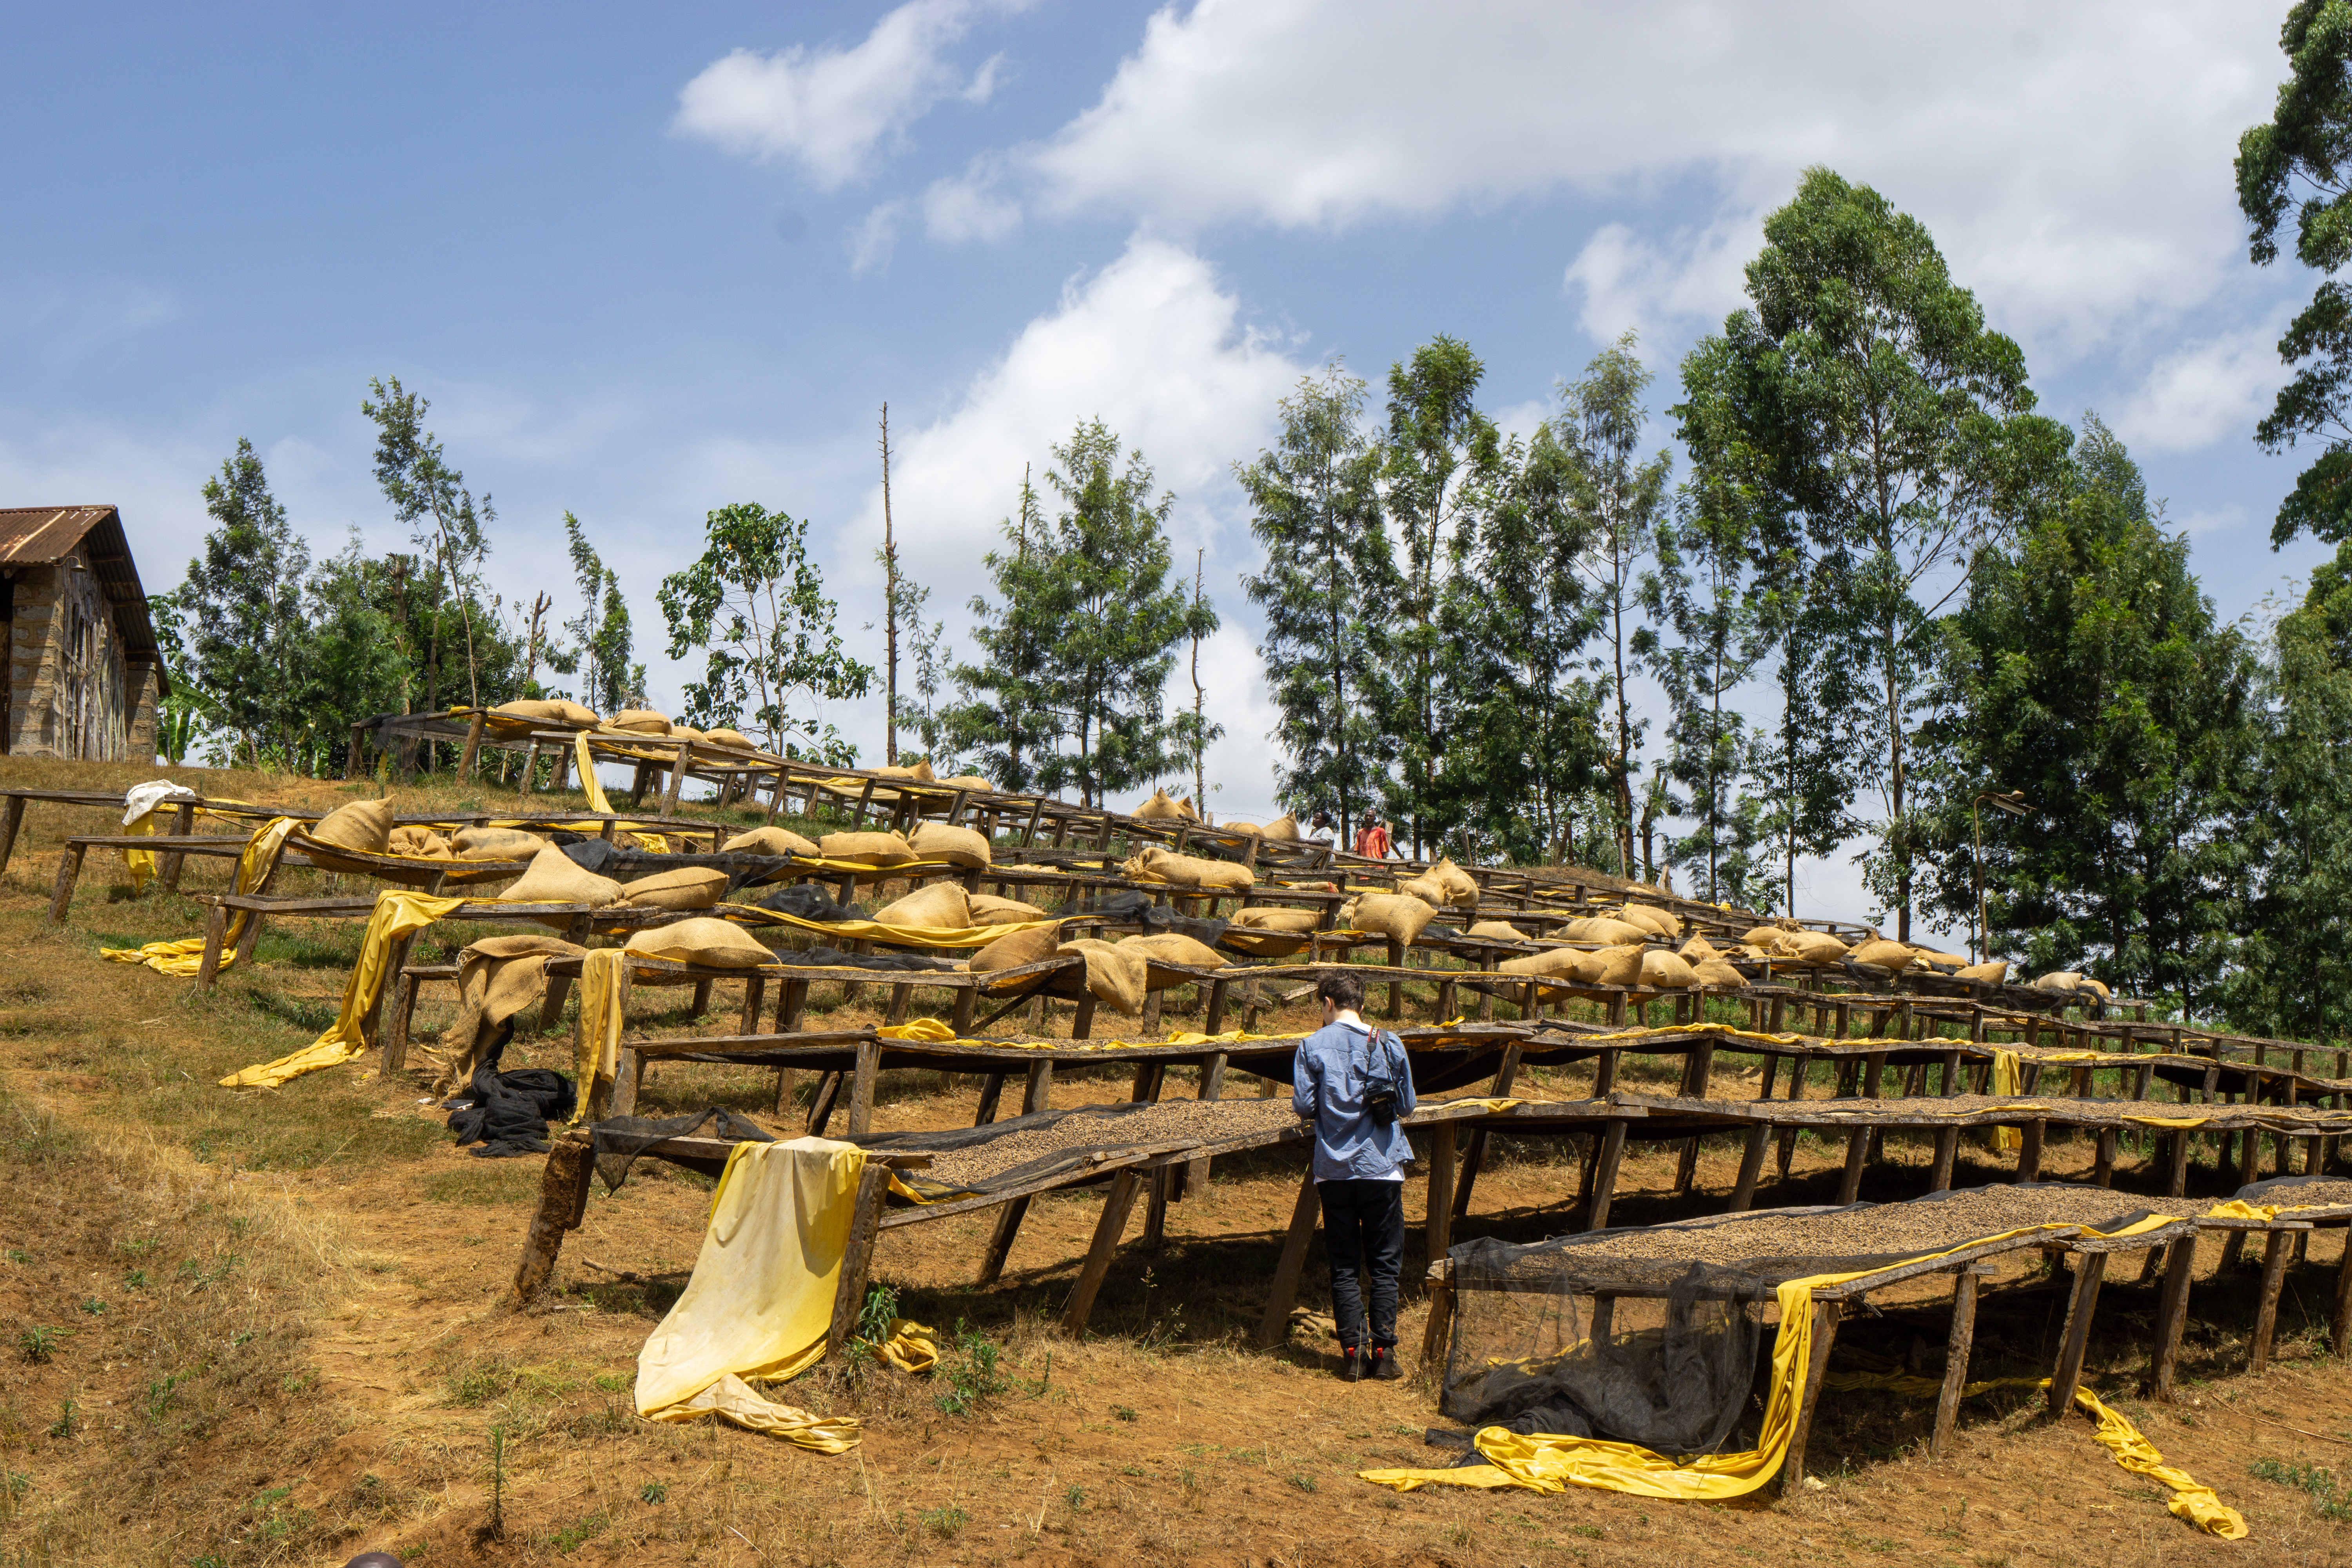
[{"x": 1327, "y": 1084}]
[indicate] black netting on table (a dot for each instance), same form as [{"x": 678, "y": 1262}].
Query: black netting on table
[
  {"x": 617, "y": 1141},
  {"x": 1542, "y": 1342}
]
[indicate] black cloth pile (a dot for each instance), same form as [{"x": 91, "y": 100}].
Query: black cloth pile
[
  {"x": 626, "y": 863},
  {"x": 507, "y": 1112},
  {"x": 615, "y": 1143},
  {"x": 808, "y": 902}
]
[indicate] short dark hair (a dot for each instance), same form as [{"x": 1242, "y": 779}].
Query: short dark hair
[{"x": 1342, "y": 990}]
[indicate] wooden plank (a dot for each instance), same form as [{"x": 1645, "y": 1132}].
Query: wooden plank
[
  {"x": 2029, "y": 1152},
  {"x": 473, "y": 744},
  {"x": 1751, "y": 1166},
  {"x": 1274, "y": 1328},
  {"x": 1109, "y": 1226},
  {"x": 992, "y": 1093},
  {"x": 1857, "y": 1149},
  {"x": 1440, "y": 1218},
  {"x": 2339, "y": 1316},
  {"x": 1956, "y": 1361},
  {"x": 1605, "y": 1176},
  {"x": 857, "y": 1258},
  {"x": 1000, "y": 1240},
  {"x": 1039, "y": 1093},
  {"x": 1155, "y": 1208},
  {"x": 68, "y": 872},
  {"x": 2274, "y": 1256},
  {"x": 861, "y": 1093},
  {"x": 215, "y": 938},
  {"x": 2090, "y": 1267},
  {"x": 1825, "y": 1322},
  {"x": 2171, "y": 1316},
  {"x": 12, "y": 819},
  {"x": 562, "y": 1200},
  {"x": 1507, "y": 1072}
]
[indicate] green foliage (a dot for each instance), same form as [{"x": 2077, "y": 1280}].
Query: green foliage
[
  {"x": 240, "y": 611},
  {"x": 2328, "y": 1500},
  {"x": 1005, "y": 718},
  {"x": 39, "y": 1341},
  {"x": 968, "y": 1367},
  {"x": 653, "y": 1491},
  {"x": 2296, "y": 164},
  {"x": 945, "y": 1523},
  {"x": 754, "y": 605},
  {"x": 2086, "y": 669},
  {"x": 609, "y": 682},
  {"x": 1326, "y": 588},
  {"x": 415, "y": 475}
]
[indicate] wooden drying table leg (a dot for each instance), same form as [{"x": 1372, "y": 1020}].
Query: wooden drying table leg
[
  {"x": 966, "y": 998},
  {"x": 901, "y": 998},
  {"x": 1155, "y": 1208},
  {"x": 828, "y": 1091},
  {"x": 2103, "y": 1167},
  {"x": 2339, "y": 1316},
  {"x": 992, "y": 1093},
  {"x": 861, "y": 1093},
  {"x": 1751, "y": 1166},
  {"x": 2171, "y": 1315},
  {"x": 1193, "y": 1177},
  {"x": 1082, "y": 1022},
  {"x": 1149, "y": 1077},
  {"x": 1039, "y": 1093},
  {"x": 562, "y": 1200},
  {"x": 1109, "y": 1227},
  {"x": 755, "y": 996},
  {"x": 1274, "y": 1329},
  {"x": 2029, "y": 1152},
  {"x": 1605, "y": 1176},
  {"x": 1474, "y": 1155},
  {"x": 785, "y": 1082},
  {"x": 1956, "y": 1361},
  {"x": 1857, "y": 1149},
  {"x": 183, "y": 822},
  {"x": 1817, "y": 1366},
  {"x": 701, "y": 1004},
  {"x": 2177, "y": 1182},
  {"x": 2090, "y": 1267},
  {"x": 404, "y": 1011},
  {"x": 1000, "y": 1240},
  {"x": 68, "y": 872},
  {"x": 1947, "y": 1149},
  {"x": 2274, "y": 1256},
  {"x": 792, "y": 1004},
  {"x": 1215, "y": 1023},
  {"x": 12, "y": 817},
  {"x": 1439, "y": 1229},
  {"x": 857, "y": 1258}
]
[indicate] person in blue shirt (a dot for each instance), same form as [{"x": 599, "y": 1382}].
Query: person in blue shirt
[{"x": 1360, "y": 1154}]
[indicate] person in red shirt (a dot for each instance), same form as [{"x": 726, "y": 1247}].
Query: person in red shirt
[{"x": 1372, "y": 839}]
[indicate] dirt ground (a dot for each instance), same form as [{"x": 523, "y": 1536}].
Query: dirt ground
[{"x": 259, "y": 1327}]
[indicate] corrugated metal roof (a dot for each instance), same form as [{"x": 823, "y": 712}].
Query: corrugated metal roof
[{"x": 40, "y": 535}]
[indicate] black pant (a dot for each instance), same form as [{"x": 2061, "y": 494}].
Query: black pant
[{"x": 1363, "y": 1230}]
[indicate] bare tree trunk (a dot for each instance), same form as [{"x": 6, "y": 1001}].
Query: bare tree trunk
[
  {"x": 890, "y": 598},
  {"x": 1200, "y": 745}
]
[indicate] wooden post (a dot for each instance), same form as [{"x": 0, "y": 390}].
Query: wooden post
[
  {"x": 473, "y": 744},
  {"x": 820, "y": 1102},
  {"x": 2275, "y": 1254},
  {"x": 677, "y": 778},
  {"x": 1956, "y": 1360},
  {"x": 562, "y": 1200},
  {"x": 2339, "y": 1316},
  {"x": 1195, "y": 1176},
  {"x": 1109, "y": 1227},
  {"x": 992, "y": 1095},
  {"x": 1825, "y": 1322},
  {"x": 215, "y": 938},
  {"x": 1155, "y": 1208},
  {"x": 1440, "y": 1222},
  {"x": 1605, "y": 1176},
  {"x": 2171, "y": 1315},
  {"x": 1948, "y": 1149},
  {"x": 857, "y": 1258},
  {"x": 403, "y": 1013},
  {"x": 1274, "y": 1329},
  {"x": 68, "y": 872},
  {"x": 12, "y": 817},
  {"x": 755, "y": 995},
  {"x": 792, "y": 1004},
  {"x": 1473, "y": 1155},
  {"x": 1699, "y": 1071},
  {"x": 1000, "y": 1240},
  {"x": 1857, "y": 1147},
  {"x": 1082, "y": 1021},
  {"x": 861, "y": 1092},
  {"x": 183, "y": 822},
  {"x": 2029, "y": 1151},
  {"x": 2090, "y": 1267}
]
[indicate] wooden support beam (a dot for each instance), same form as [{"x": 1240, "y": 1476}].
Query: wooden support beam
[
  {"x": 821, "y": 1104},
  {"x": 1109, "y": 1227},
  {"x": 1605, "y": 1176},
  {"x": 861, "y": 1093},
  {"x": 473, "y": 744},
  {"x": 2274, "y": 1256},
  {"x": 1439, "y": 1227},
  {"x": 701, "y": 1006},
  {"x": 215, "y": 938},
  {"x": 1038, "y": 1095},
  {"x": 1947, "y": 1149},
  {"x": 1751, "y": 1166},
  {"x": 2029, "y": 1152},
  {"x": 1274, "y": 1329},
  {"x": 1000, "y": 1240},
  {"x": 755, "y": 996},
  {"x": 12, "y": 819},
  {"x": 1473, "y": 1155},
  {"x": 184, "y": 822},
  {"x": 2090, "y": 1267},
  {"x": 1857, "y": 1149},
  {"x": 2171, "y": 1316},
  {"x": 562, "y": 1200},
  {"x": 1817, "y": 1366},
  {"x": 68, "y": 872},
  {"x": 857, "y": 1258},
  {"x": 1956, "y": 1360},
  {"x": 1155, "y": 1206}
]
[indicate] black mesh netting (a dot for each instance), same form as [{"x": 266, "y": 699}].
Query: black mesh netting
[
  {"x": 617, "y": 1141},
  {"x": 624, "y": 863}
]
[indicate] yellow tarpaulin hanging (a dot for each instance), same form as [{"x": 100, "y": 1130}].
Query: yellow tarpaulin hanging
[
  {"x": 186, "y": 957},
  {"x": 760, "y": 1299},
  {"x": 2006, "y": 1080},
  {"x": 141, "y": 863},
  {"x": 598, "y": 1058},
  {"x": 594, "y": 788},
  {"x": 396, "y": 915}
]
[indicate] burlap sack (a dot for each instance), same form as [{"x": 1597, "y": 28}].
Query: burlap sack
[
  {"x": 364, "y": 825},
  {"x": 1551, "y": 963},
  {"x": 865, "y": 849},
  {"x": 1017, "y": 947},
  {"x": 1175, "y": 947},
  {"x": 639, "y": 722},
  {"x": 1153, "y": 864},
  {"x": 1502, "y": 930},
  {"x": 1283, "y": 827},
  {"x": 1993, "y": 973},
  {"x": 687, "y": 888},
  {"x": 1882, "y": 954},
  {"x": 1656, "y": 919},
  {"x": 721, "y": 945},
  {"x": 1606, "y": 930},
  {"x": 552, "y": 878},
  {"x": 1713, "y": 973},
  {"x": 1113, "y": 975},
  {"x": 497, "y": 978},
  {"x": 972, "y": 781},
  {"x": 1159, "y": 809},
  {"x": 1461, "y": 886},
  {"x": 922, "y": 772},
  {"x": 1665, "y": 971},
  {"x": 2068, "y": 981},
  {"x": 950, "y": 846},
  {"x": 1950, "y": 962},
  {"x": 1429, "y": 889},
  {"x": 1184, "y": 809},
  {"x": 1392, "y": 915},
  {"x": 1813, "y": 947},
  {"x": 1272, "y": 918},
  {"x": 934, "y": 906},
  {"x": 735, "y": 738},
  {"x": 1697, "y": 950},
  {"x": 685, "y": 733},
  {"x": 497, "y": 844},
  {"x": 419, "y": 844},
  {"x": 772, "y": 841},
  {"x": 988, "y": 910},
  {"x": 555, "y": 709}
]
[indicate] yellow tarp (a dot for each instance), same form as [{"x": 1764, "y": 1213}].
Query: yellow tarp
[
  {"x": 760, "y": 1299},
  {"x": 2006, "y": 1079},
  {"x": 396, "y": 914},
  {"x": 598, "y": 1058},
  {"x": 594, "y": 788},
  {"x": 1547, "y": 1463},
  {"x": 186, "y": 957},
  {"x": 141, "y": 863}
]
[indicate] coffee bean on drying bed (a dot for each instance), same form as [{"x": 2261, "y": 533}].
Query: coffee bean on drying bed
[{"x": 1169, "y": 1121}]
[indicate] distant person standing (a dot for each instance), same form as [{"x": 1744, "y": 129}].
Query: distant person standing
[
  {"x": 1373, "y": 839},
  {"x": 1354, "y": 1083}
]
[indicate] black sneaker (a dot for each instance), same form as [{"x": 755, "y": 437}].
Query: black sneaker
[
  {"x": 1385, "y": 1364},
  {"x": 1351, "y": 1365}
]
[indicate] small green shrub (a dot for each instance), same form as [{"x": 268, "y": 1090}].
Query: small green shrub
[
  {"x": 39, "y": 1341},
  {"x": 968, "y": 1367}
]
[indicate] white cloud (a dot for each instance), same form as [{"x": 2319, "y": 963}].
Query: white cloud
[
  {"x": 1626, "y": 281},
  {"x": 2210, "y": 390},
  {"x": 2073, "y": 162},
  {"x": 969, "y": 208},
  {"x": 829, "y": 109},
  {"x": 872, "y": 241}
]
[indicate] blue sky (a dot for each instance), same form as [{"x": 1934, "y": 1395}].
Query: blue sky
[{"x": 649, "y": 261}]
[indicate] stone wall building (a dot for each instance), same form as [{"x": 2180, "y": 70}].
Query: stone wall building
[{"x": 83, "y": 676}]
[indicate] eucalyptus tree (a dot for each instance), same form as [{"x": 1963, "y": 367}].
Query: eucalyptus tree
[
  {"x": 415, "y": 476},
  {"x": 609, "y": 680},
  {"x": 241, "y": 614},
  {"x": 1326, "y": 589},
  {"x": 1004, "y": 717}
]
